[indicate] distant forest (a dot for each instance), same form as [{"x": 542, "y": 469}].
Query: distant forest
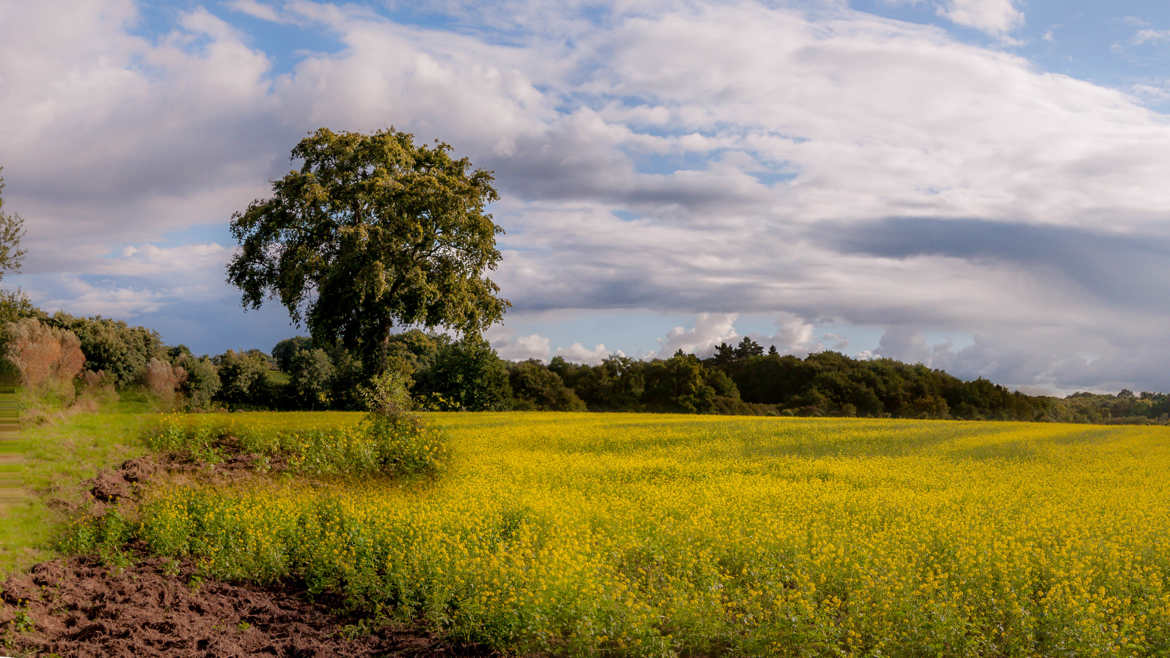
[{"x": 442, "y": 373}]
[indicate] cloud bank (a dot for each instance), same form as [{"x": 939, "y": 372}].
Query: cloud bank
[{"x": 817, "y": 164}]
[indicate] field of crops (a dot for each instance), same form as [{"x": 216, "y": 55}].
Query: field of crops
[{"x": 655, "y": 534}]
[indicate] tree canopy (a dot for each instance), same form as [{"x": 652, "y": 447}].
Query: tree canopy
[{"x": 372, "y": 231}]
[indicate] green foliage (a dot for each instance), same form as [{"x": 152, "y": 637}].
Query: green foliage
[
  {"x": 373, "y": 231},
  {"x": 469, "y": 374},
  {"x": 387, "y": 393},
  {"x": 678, "y": 384},
  {"x": 22, "y": 622},
  {"x": 241, "y": 375},
  {"x": 106, "y": 536},
  {"x": 15, "y": 305},
  {"x": 405, "y": 445},
  {"x": 311, "y": 375},
  {"x": 617, "y": 383},
  {"x": 534, "y": 386},
  {"x": 285, "y": 350},
  {"x": 202, "y": 381},
  {"x": 113, "y": 347}
]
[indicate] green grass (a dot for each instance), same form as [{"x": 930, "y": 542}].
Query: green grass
[{"x": 56, "y": 458}]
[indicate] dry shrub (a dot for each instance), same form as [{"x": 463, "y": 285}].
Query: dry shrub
[
  {"x": 46, "y": 357},
  {"x": 163, "y": 379},
  {"x": 97, "y": 388}
]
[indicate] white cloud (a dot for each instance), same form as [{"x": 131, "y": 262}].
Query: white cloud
[
  {"x": 578, "y": 353},
  {"x": 996, "y": 17},
  {"x": 79, "y": 297},
  {"x": 256, "y": 9},
  {"x": 1148, "y": 35},
  {"x": 793, "y": 336},
  {"x": 156, "y": 261},
  {"x": 710, "y": 329},
  {"x": 518, "y": 348}
]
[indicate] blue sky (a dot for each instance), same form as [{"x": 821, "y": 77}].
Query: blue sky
[{"x": 978, "y": 185}]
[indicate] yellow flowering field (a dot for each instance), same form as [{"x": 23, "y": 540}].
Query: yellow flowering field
[{"x": 640, "y": 534}]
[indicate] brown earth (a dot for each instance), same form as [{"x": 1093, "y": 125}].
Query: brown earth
[
  {"x": 124, "y": 484},
  {"x": 78, "y": 607}
]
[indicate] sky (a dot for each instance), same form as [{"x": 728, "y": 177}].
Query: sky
[{"x": 982, "y": 186}]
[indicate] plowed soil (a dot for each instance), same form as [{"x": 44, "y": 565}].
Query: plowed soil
[{"x": 78, "y": 607}]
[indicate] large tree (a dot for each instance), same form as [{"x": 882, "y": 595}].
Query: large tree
[{"x": 372, "y": 232}]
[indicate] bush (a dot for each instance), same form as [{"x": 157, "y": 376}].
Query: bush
[
  {"x": 162, "y": 379},
  {"x": 387, "y": 393},
  {"x": 121, "y": 351},
  {"x": 47, "y": 358},
  {"x": 202, "y": 381},
  {"x": 241, "y": 376},
  {"x": 405, "y": 445}
]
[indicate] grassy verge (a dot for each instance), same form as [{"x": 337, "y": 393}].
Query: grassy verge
[{"x": 50, "y": 460}]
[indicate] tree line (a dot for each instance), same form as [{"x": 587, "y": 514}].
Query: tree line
[{"x": 448, "y": 374}]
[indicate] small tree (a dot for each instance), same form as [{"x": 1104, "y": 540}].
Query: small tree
[
  {"x": 372, "y": 231},
  {"x": 11, "y": 233},
  {"x": 202, "y": 382},
  {"x": 311, "y": 374},
  {"x": 284, "y": 351}
]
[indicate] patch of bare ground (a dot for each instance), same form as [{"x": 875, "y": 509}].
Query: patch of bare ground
[
  {"x": 79, "y": 607},
  {"x": 123, "y": 486}
]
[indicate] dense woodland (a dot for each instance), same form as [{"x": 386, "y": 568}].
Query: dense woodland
[{"x": 448, "y": 374}]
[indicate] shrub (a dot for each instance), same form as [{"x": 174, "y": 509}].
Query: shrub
[
  {"x": 387, "y": 393},
  {"x": 96, "y": 389},
  {"x": 46, "y": 357},
  {"x": 405, "y": 445},
  {"x": 163, "y": 379},
  {"x": 202, "y": 381},
  {"x": 241, "y": 376},
  {"x": 121, "y": 351}
]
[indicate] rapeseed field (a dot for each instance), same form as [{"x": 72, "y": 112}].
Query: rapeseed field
[{"x": 640, "y": 534}]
